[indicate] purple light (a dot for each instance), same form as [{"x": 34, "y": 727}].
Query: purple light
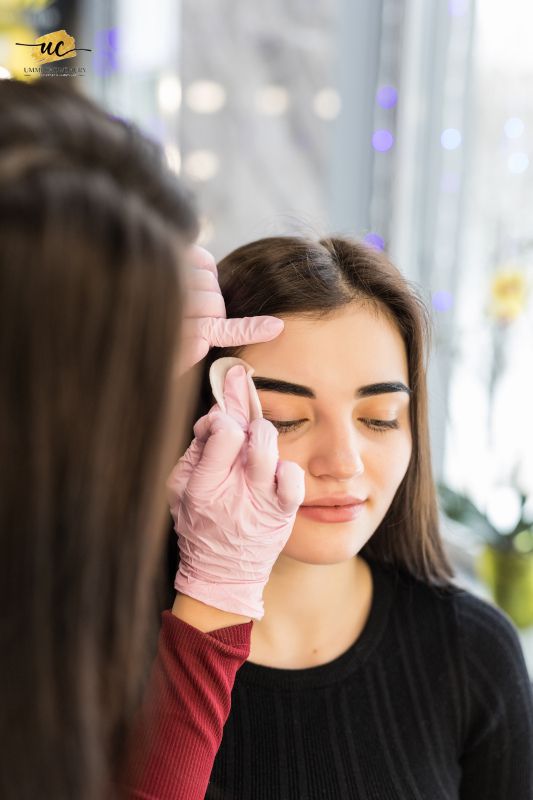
[
  {"x": 105, "y": 56},
  {"x": 387, "y": 97},
  {"x": 382, "y": 140},
  {"x": 458, "y": 8},
  {"x": 374, "y": 241},
  {"x": 442, "y": 300}
]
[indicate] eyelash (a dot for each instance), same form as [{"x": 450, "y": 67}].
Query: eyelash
[{"x": 378, "y": 425}]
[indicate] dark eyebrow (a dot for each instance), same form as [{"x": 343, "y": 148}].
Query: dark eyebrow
[{"x": 285, "y": 387}]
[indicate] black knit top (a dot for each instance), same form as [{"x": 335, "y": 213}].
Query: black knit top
[{"x": 432, "y": 702}]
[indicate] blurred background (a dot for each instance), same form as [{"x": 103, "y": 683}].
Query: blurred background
[{"x": 408, "y": 123}]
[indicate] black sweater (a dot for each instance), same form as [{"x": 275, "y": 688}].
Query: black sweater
[{"x": 432, "y": 702}]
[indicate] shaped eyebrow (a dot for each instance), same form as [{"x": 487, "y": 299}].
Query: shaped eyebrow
[{"x": 286, "y": 387}]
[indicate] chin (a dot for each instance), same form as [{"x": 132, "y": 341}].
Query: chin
[{"x": 326, "y": 544}]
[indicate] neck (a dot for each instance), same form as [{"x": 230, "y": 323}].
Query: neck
[{"x": 311, "y": 610}]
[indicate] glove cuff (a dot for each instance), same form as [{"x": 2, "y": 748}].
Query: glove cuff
[{"x": 238, "y": 598}]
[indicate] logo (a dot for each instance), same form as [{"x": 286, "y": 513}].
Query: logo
[{"x": 54, "y": 46}]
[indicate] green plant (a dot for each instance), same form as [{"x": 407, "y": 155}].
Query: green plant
[{"x": 460, "y": 508}]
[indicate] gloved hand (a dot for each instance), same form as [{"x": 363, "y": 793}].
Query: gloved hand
[
  {"x": 233, "y": 502},
  {"x": 205, "y": 324}
]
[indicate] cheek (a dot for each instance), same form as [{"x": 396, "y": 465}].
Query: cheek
[
  {"x": 293, "y": 451},
  {"x": 390, "y": 462}
]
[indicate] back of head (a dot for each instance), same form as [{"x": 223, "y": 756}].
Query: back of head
[
  {"x": 297, "y": 276},
  {"x": 91, "y": 230}
]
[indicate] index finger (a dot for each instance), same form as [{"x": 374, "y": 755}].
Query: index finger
[{"x": 203, "y": 259}]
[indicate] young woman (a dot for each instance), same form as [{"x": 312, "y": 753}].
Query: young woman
[
  {"x": 370, "y": 674},
  {"x": 93, "y": 405}
]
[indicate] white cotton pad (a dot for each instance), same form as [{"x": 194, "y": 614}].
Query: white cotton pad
[{"x": 217, "y": 375}]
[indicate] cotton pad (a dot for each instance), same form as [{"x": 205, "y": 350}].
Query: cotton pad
[{"x": 217, "y": 375}]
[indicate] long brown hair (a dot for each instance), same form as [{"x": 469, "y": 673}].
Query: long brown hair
[
  {"x": 300, "y": 277},
  {"x": 92, "y": 226}
]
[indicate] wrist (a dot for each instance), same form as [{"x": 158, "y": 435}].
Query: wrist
[{"x": 204, "y": 617}]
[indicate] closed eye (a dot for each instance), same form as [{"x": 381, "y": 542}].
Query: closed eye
[
  {"x": 284, "y": 427},
  {"x": 379, "y": 425}
]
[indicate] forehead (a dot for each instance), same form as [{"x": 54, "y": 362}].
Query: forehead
[{"x": 356, "y": 346}]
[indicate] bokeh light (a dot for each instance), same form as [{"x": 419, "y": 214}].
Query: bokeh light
[
  {"x": 382, "y": 140},
  {"x": 169, "y": 93},
  {"x": 503, "y": 508},
  {"x": 374, "y": 240},
  {"x": 514, "y": 128},
  {"x": 442, "y": 300},
  {"x": 451, "y": 139},
  {"x": 387, "y": 96},
  {"x": 205, "y": 97},
  {"x": 105, "y": 56},
  {"x": 173, "y": 156},
  {"x": 201, "y": 165},
  {"x": 272, "y": 100},
  {"x": 327, "y": 103}
]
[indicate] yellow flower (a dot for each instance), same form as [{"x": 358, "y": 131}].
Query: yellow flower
[{"x": 508, "y": 294}]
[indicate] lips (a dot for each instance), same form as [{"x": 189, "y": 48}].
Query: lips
[
  {"x": 335, "y": 500},
  {"x": 345, "y": 512}
]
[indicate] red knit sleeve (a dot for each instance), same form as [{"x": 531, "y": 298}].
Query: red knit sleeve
[{"x": 179, "y": 728}]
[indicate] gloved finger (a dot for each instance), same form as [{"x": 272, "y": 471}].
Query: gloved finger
[
  {"x": 202, "y": 258},
  {"x": 192, "y": 349},
  {"x": 290, "y": 478},
  {"x": 203, "y": 427},
  {"x": 221, "y": 450},
  {"x": 236, "y": 395},
  {"x": 206, "y": 304},
  {"x": 179, "y": 478},
  {"x": 200, "y": 279},
  {"x": 262, "y": 454},
  {"x": 244, "y": 330},
  {"x": 217, "y": 376}
]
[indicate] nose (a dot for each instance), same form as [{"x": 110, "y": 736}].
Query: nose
[{"x": 338, "y": 454}]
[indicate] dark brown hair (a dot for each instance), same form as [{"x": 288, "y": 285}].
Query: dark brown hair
[
  {"x": 91, "y": 230},
  {"x": 293, "y": 276}
]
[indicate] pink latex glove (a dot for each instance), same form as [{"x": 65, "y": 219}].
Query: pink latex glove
[
  {"x": 232, "y": 500},
  {"x": 205, "y": 324}
]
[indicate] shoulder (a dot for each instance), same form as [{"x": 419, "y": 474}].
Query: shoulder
[
  {"x": 483, "y": 637},
  {"x": 490, "y": 640},
  {"x": 474, "y": 628}
]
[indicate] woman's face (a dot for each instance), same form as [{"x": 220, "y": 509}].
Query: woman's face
[{"x": 353, "y": 435}]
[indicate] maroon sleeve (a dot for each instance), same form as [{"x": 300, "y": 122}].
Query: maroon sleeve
[{"x": 179, "y": 729}]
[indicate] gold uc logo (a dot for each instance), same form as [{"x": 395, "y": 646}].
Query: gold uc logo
[{"x": 53, "y": 46}]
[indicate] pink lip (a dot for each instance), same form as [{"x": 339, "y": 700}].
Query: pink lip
[
  {"x": 343, "y": 513},
  {"x": 336, "y": 500}
]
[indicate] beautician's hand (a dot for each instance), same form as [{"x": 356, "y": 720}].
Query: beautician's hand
[
  {"x": 233, "y": 503},
  {"x": 205, "y": 324}
]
